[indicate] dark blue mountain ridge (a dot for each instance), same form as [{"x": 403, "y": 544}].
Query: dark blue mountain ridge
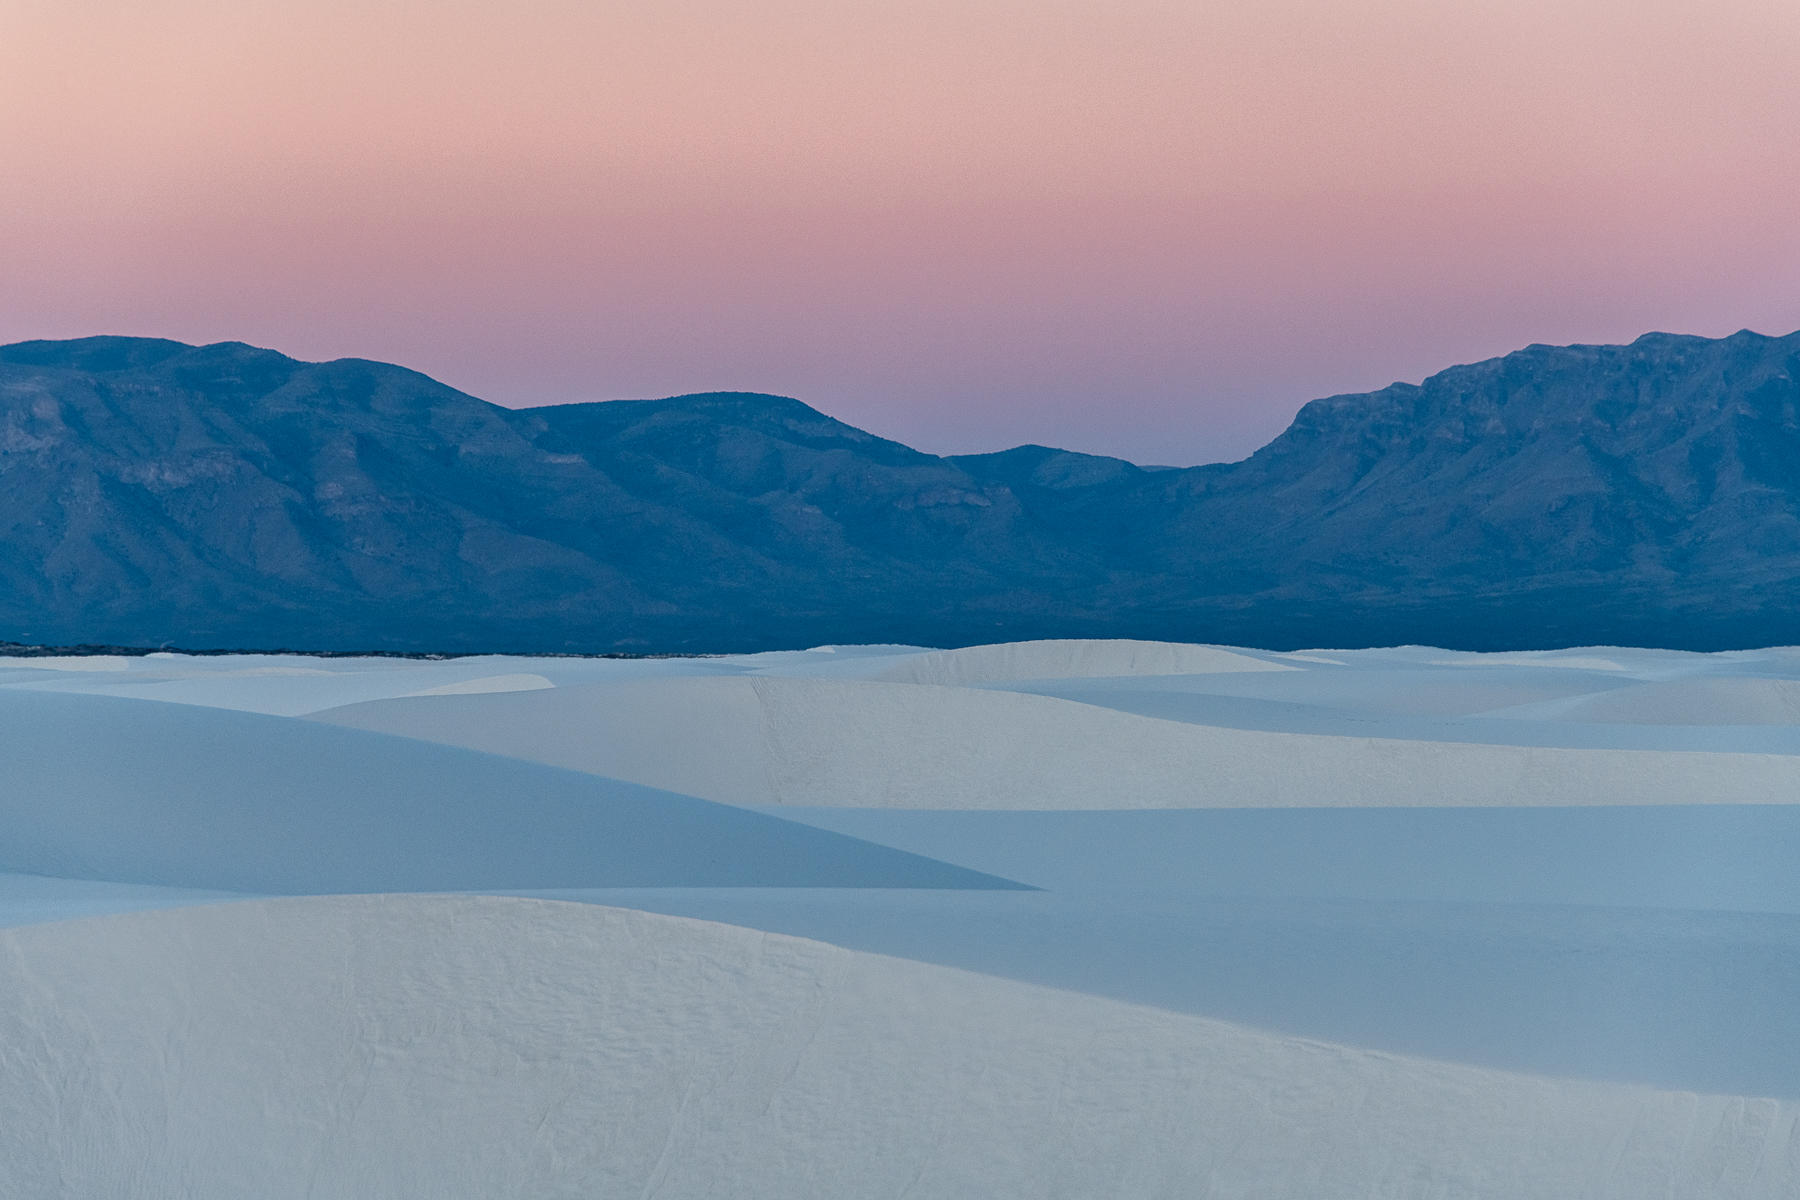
[{"x": 158, "y": 494}]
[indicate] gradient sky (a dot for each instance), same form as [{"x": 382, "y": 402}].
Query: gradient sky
[{"x": 1141, "y": 227}]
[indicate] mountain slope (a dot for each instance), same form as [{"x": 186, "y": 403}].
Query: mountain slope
[
  {"x": 1648, "y": 492},
  {"x": 155, "y": 493}
]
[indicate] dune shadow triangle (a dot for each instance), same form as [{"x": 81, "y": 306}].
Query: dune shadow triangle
[{"x": 142, "y": 792}]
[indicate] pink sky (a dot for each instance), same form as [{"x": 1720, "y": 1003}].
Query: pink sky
[{"x": 1139, "y": 227}]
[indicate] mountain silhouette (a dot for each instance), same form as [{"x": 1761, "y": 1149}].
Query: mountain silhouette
[{"x": 158, "y": 494}]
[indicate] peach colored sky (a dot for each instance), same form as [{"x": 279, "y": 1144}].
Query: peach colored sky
[{"x": 1138, "y": 226}]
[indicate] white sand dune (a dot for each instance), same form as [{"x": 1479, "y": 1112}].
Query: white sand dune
[
  {"x": 455, "y": 1046},
  {"x": 293, "y": 685},
  {"x": 485, "y": 684},
  {"x": 85, "y": 663},
  {"x": 1011, "y": 662},
  {"x": 1689, "y": 1001},
  {"x": 31, "y": 899},
  {"x": 867, "y": 744},
  {"x": 1369, "y": 692},
  {"x": 1626, "y": 659},
  {"x": 186, "y": 797},
  {"x": 1703, "y": 701},
  {"x": 1574, "y": 865}
]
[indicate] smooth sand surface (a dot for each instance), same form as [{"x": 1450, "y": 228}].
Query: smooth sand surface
[{"x": 463, "y": 1046}]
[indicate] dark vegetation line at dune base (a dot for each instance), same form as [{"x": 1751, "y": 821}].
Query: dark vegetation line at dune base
[{"x": 154, "y": 494}]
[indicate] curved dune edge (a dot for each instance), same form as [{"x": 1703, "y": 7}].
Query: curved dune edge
[
  {"x": 100, "y": 788},
  {"x": 456, "y": 1046},
  {"x": 487, "y": 685},
  {"x": 857, "y": 743},
  {"x": 1750, "y": 701},
  {"x": 1070, "y": 658}
]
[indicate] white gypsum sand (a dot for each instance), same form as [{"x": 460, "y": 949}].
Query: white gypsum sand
[
  {"x": 1564, "y": 880},
  {"x": 462, "y": 1046},
  {"x": 862, "y": 743},
  {"x": 1012, "y": 662}
]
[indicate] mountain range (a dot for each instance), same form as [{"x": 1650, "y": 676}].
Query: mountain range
[{"x": 154, "y": 493}]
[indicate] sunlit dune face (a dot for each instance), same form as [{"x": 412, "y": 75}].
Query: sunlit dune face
[{"x": 1149, "y": 228}]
